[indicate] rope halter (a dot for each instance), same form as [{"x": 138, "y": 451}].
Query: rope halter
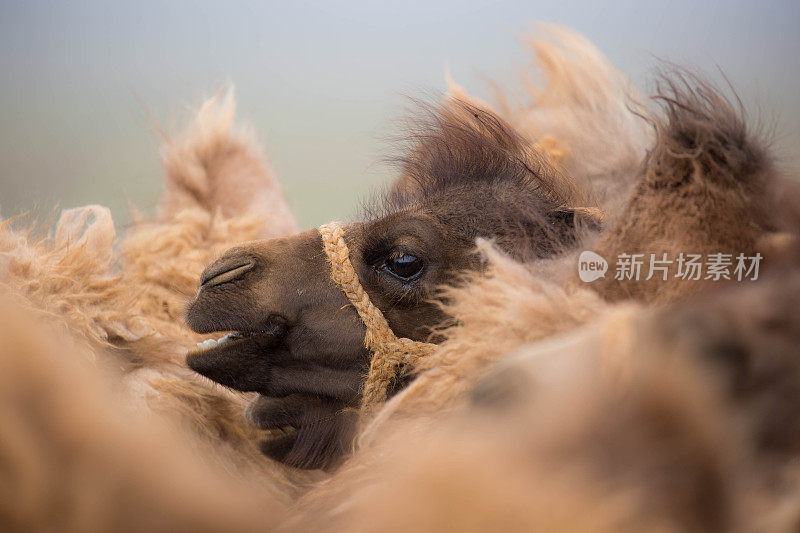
[{"x": 390, "y": 353}]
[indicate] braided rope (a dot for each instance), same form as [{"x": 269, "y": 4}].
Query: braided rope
[{"x": 390, "y": 353}]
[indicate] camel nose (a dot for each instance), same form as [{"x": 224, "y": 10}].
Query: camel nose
[{"x": 224, "y": 270}]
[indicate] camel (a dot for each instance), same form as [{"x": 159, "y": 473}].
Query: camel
[
  {"x": 298, "y": 342},
  {"x": 547, "y": 402}
]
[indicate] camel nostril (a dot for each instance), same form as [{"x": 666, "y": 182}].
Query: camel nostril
[{"x": 225, "y": 272}]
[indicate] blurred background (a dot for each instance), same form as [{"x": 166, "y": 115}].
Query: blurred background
[{"x": 82, "y": 82}]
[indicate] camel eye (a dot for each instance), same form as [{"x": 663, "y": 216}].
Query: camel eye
[{"x": 404, "y": 266}]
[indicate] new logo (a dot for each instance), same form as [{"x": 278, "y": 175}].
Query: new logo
[{"x": 591, "y": 266}]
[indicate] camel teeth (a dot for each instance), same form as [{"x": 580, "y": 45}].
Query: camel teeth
[
  {"x": 226, "y": 337},
  {"x": 206, "y": 344},
  {"x": 211, "y": 343}
]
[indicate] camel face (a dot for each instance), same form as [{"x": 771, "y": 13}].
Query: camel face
[{"x": 298, "y": 342}]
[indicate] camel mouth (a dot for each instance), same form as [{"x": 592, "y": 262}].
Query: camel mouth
[
  {"x": 241, "y": 339},
  {"x": 227, "y": 340},
  {"x": 239, "y": 360},
  {"x": 297, "y": 415}
]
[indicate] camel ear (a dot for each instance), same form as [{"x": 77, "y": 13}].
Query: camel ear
[{"x": 571, "y": 218}]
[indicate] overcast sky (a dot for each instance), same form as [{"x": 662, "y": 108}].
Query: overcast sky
[{"x": 321, "y": 82}]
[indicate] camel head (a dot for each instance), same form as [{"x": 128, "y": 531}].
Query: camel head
[{"x": 294, "y": 337}]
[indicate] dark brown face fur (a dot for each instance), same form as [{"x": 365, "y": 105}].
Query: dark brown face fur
[{"x": 299, "y": 343}]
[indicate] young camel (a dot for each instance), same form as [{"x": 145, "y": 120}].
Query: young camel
[{"x": 299, "y": 343}]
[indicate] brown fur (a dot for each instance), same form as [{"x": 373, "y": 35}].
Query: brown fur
[
  {"x": 575, "y": 453},
  {"x": 707, "y": 174}
]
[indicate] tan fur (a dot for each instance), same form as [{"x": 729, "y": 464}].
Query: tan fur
[
  {"x": 723, "y": 214},
  {"x": 126, "y": 295},
  {"x": 579, "y": 452},
  {"x": 586, "y": 111},
  {"x": 76, "y": 458}
]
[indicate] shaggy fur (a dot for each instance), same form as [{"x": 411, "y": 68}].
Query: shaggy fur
[
  {"x": 125, "y": 296},
  {"x": 497, "y": 311},
  {"x": 75, "y": 457},
  {"x": 606, "y": 415}
]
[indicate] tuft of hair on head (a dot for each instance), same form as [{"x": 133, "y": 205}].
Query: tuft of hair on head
[
  {"x": 458, "y": 148},
  {"x": 458, "y": 141}
]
